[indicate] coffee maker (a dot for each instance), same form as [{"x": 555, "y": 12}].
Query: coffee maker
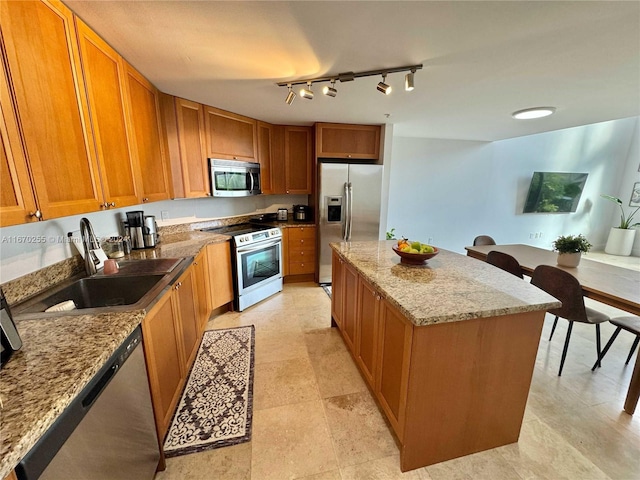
[
  {"x": 134, "y": 226},
  {"x": 150, "y": 231}
]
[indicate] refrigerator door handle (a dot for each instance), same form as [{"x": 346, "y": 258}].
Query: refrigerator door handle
[
  {"x": 350, "y": 212},
  {"x": 345, "y": 215}
]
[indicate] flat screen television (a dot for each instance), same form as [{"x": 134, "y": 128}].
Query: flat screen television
[{"x": 554, "y": 192}]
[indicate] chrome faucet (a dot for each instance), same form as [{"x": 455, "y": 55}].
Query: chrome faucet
[{"x": 89, "y": 243}]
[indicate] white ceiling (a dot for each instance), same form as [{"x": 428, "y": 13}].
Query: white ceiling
[{"x": 482, "y": 60}]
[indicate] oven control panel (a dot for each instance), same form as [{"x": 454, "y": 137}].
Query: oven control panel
[{"x": 260, "y": 236}]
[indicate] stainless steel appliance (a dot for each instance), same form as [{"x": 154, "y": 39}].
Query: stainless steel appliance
[
  {"x": 135, "y": 228},
  {"x": 257, "y": 259},
  {"x": 283, "y": 214},
  {"x": 9, "y": 336},
  {"x": 150, "y": 232},
  {"x": 302, "y": 213},
  {"x": 230, "y": 178},
  {"x": 108, "y": 432},
  {"x": 349, "y": 205}
]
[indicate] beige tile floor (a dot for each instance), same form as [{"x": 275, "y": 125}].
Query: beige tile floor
[{"x": 315, "y": 419}]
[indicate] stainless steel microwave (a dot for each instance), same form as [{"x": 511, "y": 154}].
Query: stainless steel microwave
[{"x": 231, "y": 178}]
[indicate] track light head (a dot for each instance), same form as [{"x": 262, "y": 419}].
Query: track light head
[
  {"x": 408, "y": 81},
  {"x": 306, "y": 92},
  {"x": 330, "y": 91},
  {"x": 383, "y": 87},
  {"x": 291, "y": 96}
]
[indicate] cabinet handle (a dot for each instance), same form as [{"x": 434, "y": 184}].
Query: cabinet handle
[
  {"x": 145, "y": 199},
  {"x": 37, "y": 214},
  {"x": 178, "y": 285},
  {"x": 349, "y": 156},
  {"x": 104, "y": 205},
  {"x": 112, "y": 204},
  {"x": 301, "y": 241}
]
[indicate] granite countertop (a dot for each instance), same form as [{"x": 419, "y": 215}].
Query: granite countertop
[
  {"x": 60, "y": 355},
  {"x": 449, "y": 288}
]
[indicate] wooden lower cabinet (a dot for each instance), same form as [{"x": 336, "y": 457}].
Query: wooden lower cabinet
[
  {"x": 202, "y": 287},
  {"x": 301, "y": 250},
  {"x": 220, "y": 273},
  {"x": 447, "y": 389},
  {"x": 187, "y": 315},
  {"x": 165, "y": 364}
]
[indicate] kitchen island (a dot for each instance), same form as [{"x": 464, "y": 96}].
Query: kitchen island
[{"x": 447, "y": 348}]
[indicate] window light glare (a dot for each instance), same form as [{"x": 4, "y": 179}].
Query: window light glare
[{"x": 530, "y": 113}]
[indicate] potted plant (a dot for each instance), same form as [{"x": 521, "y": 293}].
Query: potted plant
[
  {"x": 620, "y": 241},
  {"x": 570, "y": 248}
]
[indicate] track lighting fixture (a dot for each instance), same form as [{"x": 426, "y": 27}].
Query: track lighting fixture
[
  {"x": 306, "y": 92},
  {"x": 383, "y": 87},
  {"x": 291, "y": 96},
  {"x": 331, "y": 91},
  {"x": 408, "y": 81}
]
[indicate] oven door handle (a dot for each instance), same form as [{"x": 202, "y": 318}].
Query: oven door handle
[{"x": 258, "y": 246}]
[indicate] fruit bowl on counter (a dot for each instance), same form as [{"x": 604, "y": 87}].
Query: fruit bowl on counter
[{"x": 412, "y": 255}]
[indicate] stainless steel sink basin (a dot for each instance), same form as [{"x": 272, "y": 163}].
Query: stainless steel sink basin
[{"x": 135, "y": 286}]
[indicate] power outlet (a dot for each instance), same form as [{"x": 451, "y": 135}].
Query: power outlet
[{"x": 164, "y": 215}]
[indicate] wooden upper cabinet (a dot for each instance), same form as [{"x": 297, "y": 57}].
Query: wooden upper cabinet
[
  {"x": 17, "y": 201},
  {"x": 44, "y": 67},
  {"x": 105, "y": 82},
  {"x": 230, "y": 136},
  {"x": 146, "y": 135},
  {"x": 192, "y": 144},
  {"x": 297, "y": 159},
  {"x": 265, "y": 156},
  {"x": 337, "y": 140}
]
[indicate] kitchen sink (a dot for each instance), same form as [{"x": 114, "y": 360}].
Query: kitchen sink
[{"x": 135, "y": 286}]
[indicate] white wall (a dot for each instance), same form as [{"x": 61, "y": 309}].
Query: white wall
[
  {"x": 30, "y": 247},
  {"x": 446, "y": 192}
]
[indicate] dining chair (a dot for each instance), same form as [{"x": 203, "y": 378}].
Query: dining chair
[
  {"x": 505, "y": 261},
  {"x": 630, "y": 324},
  {"x": 483, "y": 240},
  {"x": 566, "y": 288}
]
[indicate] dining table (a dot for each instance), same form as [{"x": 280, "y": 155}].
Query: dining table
[{"x": 602, "y": 282}]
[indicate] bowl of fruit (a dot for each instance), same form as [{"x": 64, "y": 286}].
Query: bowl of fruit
[{"x": 414, "y": 253}]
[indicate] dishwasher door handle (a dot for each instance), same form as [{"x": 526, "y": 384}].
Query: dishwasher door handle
[{"x": 95, "y": 392}]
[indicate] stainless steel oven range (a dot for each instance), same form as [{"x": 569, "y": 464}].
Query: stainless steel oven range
[{"x": 257, "y": 259}]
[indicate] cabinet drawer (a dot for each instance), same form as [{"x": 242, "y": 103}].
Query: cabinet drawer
[
  {"x": 300, "y": 268},
  {"x": 297, "y": 233},
  {"x": 302, "y": 244},
  {"x": 302, "y": 255}
]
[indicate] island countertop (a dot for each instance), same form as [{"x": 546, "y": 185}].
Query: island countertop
[{"x": 449, "y": 288}]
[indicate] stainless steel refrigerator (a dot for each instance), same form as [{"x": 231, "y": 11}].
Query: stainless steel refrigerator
[{"x": 349, "y": 205}]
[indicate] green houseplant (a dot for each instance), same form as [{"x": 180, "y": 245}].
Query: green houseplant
[
  {"x": 570, "y": 249},
  {"x": 620, "y": 240}
]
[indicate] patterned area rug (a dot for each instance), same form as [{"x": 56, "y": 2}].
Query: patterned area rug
[{"x": 216, "y": 406}]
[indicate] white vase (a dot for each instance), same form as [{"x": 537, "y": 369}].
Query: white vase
[
  {"x": 620, "y": 241},
  {"x": 569, "y": 259}
]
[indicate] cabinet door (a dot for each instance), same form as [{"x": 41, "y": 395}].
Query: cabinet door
[
  {"x": 265, "y": 157},
  {"x": 201, "y": 277},
  {"x": 220, "y": 274},
  {"x": 334, "y": 140},
  {"x": 337, "y": 288},
  {"x": 164, "y": 360},
  {"x": 394, "y": 347},
  {"x": 195, "y": 174},
  {"x": 17, "y": 202},
  {"x": 367, "y": 330},
  {"x": 146, "y": 135},
  {"x": 105, "y": 82},
  {"x": 187, "y": 315},
  {"x": 278, "y": 169},
  {"x": 297, "y": 156},
  {"x": 230, "y": 136},
  {"x": 44, "y": 68},
  {"x": 350, "y": 301}
]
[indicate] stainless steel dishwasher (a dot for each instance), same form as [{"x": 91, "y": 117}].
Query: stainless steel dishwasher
[{"x": 108, "y": 432}]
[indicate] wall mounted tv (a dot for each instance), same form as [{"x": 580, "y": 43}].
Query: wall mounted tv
[{"x": 554, "y": 192}]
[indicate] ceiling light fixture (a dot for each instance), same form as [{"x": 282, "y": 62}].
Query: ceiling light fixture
[
  {"x": 331, "y": 91},
  {"x": 383, "y": 86},
  {"x": 306, "y": 92},
  {"x": 291, "y": 96},
  {"x": 408, "y": 81},
  {"x": 537, "y": 112}
]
